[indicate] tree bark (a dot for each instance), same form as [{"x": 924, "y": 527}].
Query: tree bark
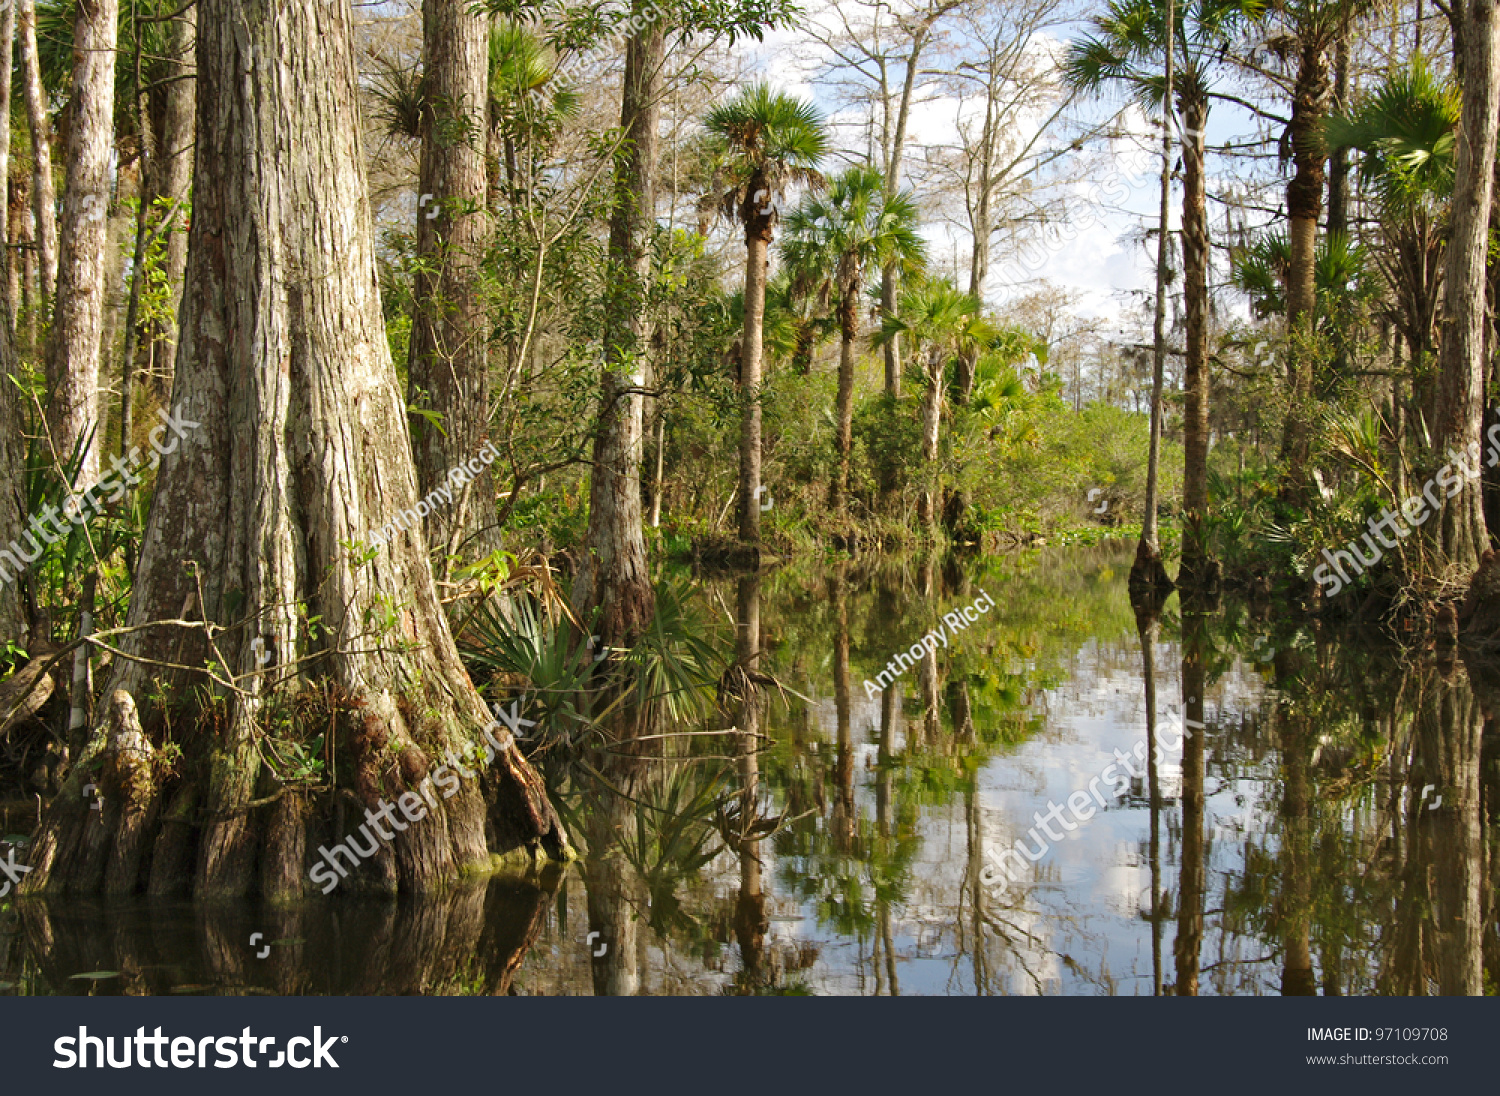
[
  {"x": 932, "y": 416},
  {"x": 612, "y": 574},
  {"x": 1462, "y": 358},
  {"x": 172, "y": 171},
  {"x": 74, "y": 351},
  {"x": 291, "y": 442},
  {"x": 1197, "y": 568},
  {"x": 13, "y": 515},
  {"x": 844, "y": 440},
  {"x": 1148, "y": 577},
  {"x": 43, "y": 193},
  {"x": 1304, "y": 206},
  {"x": 448, "y": 372},
  {"x": 7, "y": 52},
  {"x": 757, "y": 244}
]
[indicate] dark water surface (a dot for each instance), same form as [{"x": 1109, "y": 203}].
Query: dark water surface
[{"x": 1319, "y": 820}]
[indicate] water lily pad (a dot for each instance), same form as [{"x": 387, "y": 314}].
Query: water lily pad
[{"x": 96, "y": 975}]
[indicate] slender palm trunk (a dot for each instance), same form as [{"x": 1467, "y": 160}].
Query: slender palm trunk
[
  {"x": 613, "y": 573},
  {"x": 1148, "y": 578},
  {"x": 844, "y": 438},
  {"x": 73, "y": 355},
  {"x": 1304, "y": 207},
  {"x": 932, "y": 415},
  {"x": 757, "y": 242},
  {"x": 290, "y": 442},
  {"x": 1197, "y": 569}
]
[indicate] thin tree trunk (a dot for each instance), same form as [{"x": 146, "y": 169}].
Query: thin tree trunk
[
  {"x": 844, "y": 439},
  {"x": 1197, "y": 568},
  {"x": 290, "y": 442},
  {"x": 932, "y": 415},
  {"x": 13, "y": 515},
  {"x": 448, "y": 372},
  {"x": 1148, "y": 578},
  {"x": 173, "y": 171},
  {"x": 7, "y": 52},
  {"x": 658, "y": 479},
  {"x": 613, "y": 573},
  {"x": 1462, "y": 358},
  {"x": 76, "y": 346},
  {"x": 1304, "y": 206},
  {"x": 757, "y": 243},
  {"x": 43, "y": 194}
]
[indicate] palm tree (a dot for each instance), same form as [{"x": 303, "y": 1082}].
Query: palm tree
[
  {"x": 1127, "y": 46},
  {"x": 765, "y": 142},
  {"x": 1406, "y": 133},
  {"x": 940, "y": 323},
  {"x": 1308, "y": 30},
  {"x": 833, "y": 241}
]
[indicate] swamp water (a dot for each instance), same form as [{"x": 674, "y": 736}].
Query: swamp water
[{"x": 1318, "y": 819}]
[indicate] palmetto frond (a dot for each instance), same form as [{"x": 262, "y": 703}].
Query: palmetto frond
[
  {"x": 764, "y": 141},
  {"x": 1126, "y": 46},
  {"x": 833, "y": 239},
  {"x": 1406, "y": 133}
]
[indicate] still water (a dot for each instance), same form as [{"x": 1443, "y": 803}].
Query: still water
[{"x": 1317, "y": 819}]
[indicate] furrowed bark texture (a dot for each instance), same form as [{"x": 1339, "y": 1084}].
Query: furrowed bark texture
[
  {"x": 612, "y": 574},
  {"x": 448, "y": 371},
  {"x": 1462, "y": 360},
  {"x": 293, "y": 442},
  {"x": 78, "y": 316}
]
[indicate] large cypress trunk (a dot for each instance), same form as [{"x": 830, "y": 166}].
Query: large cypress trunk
[
  {"x": 292, "y": 444},
  {"x": 78, "y": 318},
  {"x": 448, "y": 369},
  {"x": 1462, "y": 360},
  {"x": 612, "y": 574}
]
